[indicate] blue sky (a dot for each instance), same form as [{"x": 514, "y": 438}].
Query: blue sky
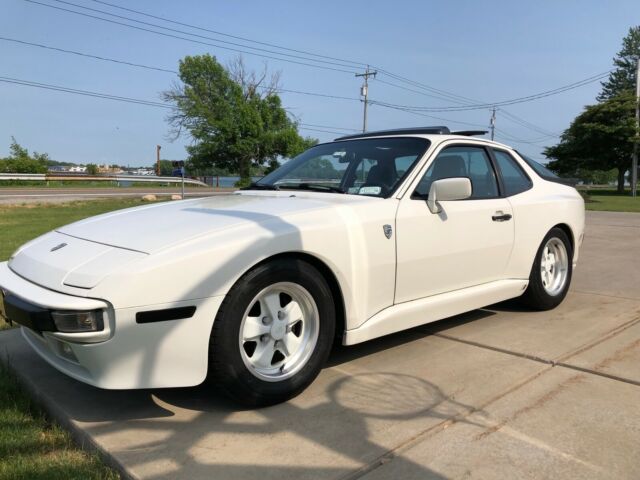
[{"x": 487, "y": 51}]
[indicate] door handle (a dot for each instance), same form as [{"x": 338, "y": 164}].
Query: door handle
[{"x": 501, "y": 217}]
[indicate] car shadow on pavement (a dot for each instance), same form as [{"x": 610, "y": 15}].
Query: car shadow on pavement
[
  {"x": 343, "y": 425},
  {"x": 331, "y": 432}
]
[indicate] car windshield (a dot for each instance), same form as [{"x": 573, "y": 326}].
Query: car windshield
[{"x": 372, "y": 166}]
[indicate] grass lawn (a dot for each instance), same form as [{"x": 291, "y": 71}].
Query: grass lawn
[
  {"x": 19, "y": 224},
  {"x": 610, "y": 200},
  {"x": 31, "y": 447}
]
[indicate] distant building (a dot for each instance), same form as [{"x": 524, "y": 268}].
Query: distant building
[
  {"x": 108, "y": 169},
  {"x": 78, "y": 169},
  {"x": 57, "y": 168},
  {"x": 144, "y": 171}
]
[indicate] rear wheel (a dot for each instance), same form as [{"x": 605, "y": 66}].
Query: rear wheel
[
  {"x": 550, "y": 276},
  {"x": 272, "y": 333}
]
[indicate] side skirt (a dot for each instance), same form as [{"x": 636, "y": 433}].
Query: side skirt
[{"x": 426, "y": 310}]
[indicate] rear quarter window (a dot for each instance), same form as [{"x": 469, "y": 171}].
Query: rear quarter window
[{"x": 514, "y": 179}]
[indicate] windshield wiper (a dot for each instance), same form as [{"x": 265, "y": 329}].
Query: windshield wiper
[
  {"x": 259, "y": 186},
  {"x": 314, "y": 186}
]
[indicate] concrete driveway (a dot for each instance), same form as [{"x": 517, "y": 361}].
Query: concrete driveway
[{"x": 496, "y": 393}]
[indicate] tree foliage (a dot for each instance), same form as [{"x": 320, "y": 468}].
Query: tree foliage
[
  {"x": 600, "y": 138},
  {"x": 623, "y": 78},
  {"x": 92, "y": 169},
  {"x": 20, "y": 161},
  {"x": 315, "y": 168},
  {"x": 596, "y": 177},
  {"x": 235, "y": 122}
]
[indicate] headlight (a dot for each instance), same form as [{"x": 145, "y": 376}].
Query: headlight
[{"x": 74, "y": 322}]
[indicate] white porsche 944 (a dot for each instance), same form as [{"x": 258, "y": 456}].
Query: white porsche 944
[{"x": 351, "y": 240}]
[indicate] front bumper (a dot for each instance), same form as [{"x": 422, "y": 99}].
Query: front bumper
[{"x": 126, "y": 354}]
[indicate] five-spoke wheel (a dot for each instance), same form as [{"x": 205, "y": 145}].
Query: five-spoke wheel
[
  {"x": 551, "y": 272},
  {"x": 279, "y": 331},
  {"x": 273, "y": 332},
  {"x": 554, "y": 265}
]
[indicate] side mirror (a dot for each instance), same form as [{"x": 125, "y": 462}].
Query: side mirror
[{"x": 458, "y": 188}]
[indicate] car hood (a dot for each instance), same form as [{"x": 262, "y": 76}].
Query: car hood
[{"x": 152, "y": 228}]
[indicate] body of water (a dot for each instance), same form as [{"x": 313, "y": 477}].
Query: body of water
[{"x": 226, "y": 182}]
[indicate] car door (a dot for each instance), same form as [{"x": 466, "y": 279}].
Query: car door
[{"x": 468, "y": 243}]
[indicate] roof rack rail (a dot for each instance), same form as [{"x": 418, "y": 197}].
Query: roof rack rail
[
  {"x": 438, "y": 130},
  {"x": 470, "y": 133}
]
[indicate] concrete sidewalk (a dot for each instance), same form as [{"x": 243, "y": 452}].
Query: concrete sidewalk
[{"x": 495, "y": 393}]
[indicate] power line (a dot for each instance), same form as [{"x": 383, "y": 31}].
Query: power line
[
  {"x": 373, "y": 102},
  {"x": 165, "y": 70},
  {"x": 96, "y": 57},
  {"x": 352, "y": 63},
  {"x": 302, "y": 126},
  {"x": 127, "y": 63},
  {"x": 334, "y": 128},
  {"x": 527, "y": 124},
  {"x": 175, "y": 22},
  {"x": 183, "y": 32},
  {"x": 323, "y": 67},
  {"x": 150, "y": 103},
  {"x": 417, "y": 91},
  {"x": 464, "y": 102},
  {"x": 316, "y": 94},
  {"x": 504, "y": 134},
  {"x": 321, "y": 131},
  {"x": 88, "y": 93},
  {"x": 442, "y": 94},
  {"x": 511, "y": 138},
  {"x": 528, "y": 98},
  {"x": 451, "y": 97}
]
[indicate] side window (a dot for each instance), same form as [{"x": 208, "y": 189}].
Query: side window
[
  {"x": 514, "y": 179},
  {"x": 470, "y": 162}
]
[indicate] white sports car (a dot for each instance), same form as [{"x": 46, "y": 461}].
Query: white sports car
[{"x": 351, "y": 240}]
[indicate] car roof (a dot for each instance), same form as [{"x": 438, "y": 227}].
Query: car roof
[{"x": 435, "y": 134}]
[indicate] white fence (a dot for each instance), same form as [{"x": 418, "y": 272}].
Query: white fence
[{"x": 45, "y": 177}]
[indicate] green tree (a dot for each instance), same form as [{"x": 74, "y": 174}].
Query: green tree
[
  {"x": 596, "y": 177},
  {"x": 600, "y": 138},
  {"x": 92, "y": 169},
  {"x": 235, "y": 119},
  {"x": 623, "y": 78},
  {"x": 166, "y": 168},
  {"x": 19, "y": 160}
]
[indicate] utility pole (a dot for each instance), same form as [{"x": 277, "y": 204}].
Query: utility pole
[
  {"x": 158, "y": 147},
  {"x": 492, "y": 125},
  {"x": 634, "y": 161},
  {"x": 364, "y": 91}
]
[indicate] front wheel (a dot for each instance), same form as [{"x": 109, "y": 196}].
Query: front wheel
[
  {"x": 272, "y": 333},
  {"x": 551, "y": 272}
]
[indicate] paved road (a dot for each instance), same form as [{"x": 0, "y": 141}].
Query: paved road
[
  {"x": 42, "y": 194},
  {"x": 496, "y": 393}
]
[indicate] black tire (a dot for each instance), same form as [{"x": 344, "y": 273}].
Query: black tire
[
  {"x": 227, "y": 370},
  {"x": 535, "y": 296}
]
